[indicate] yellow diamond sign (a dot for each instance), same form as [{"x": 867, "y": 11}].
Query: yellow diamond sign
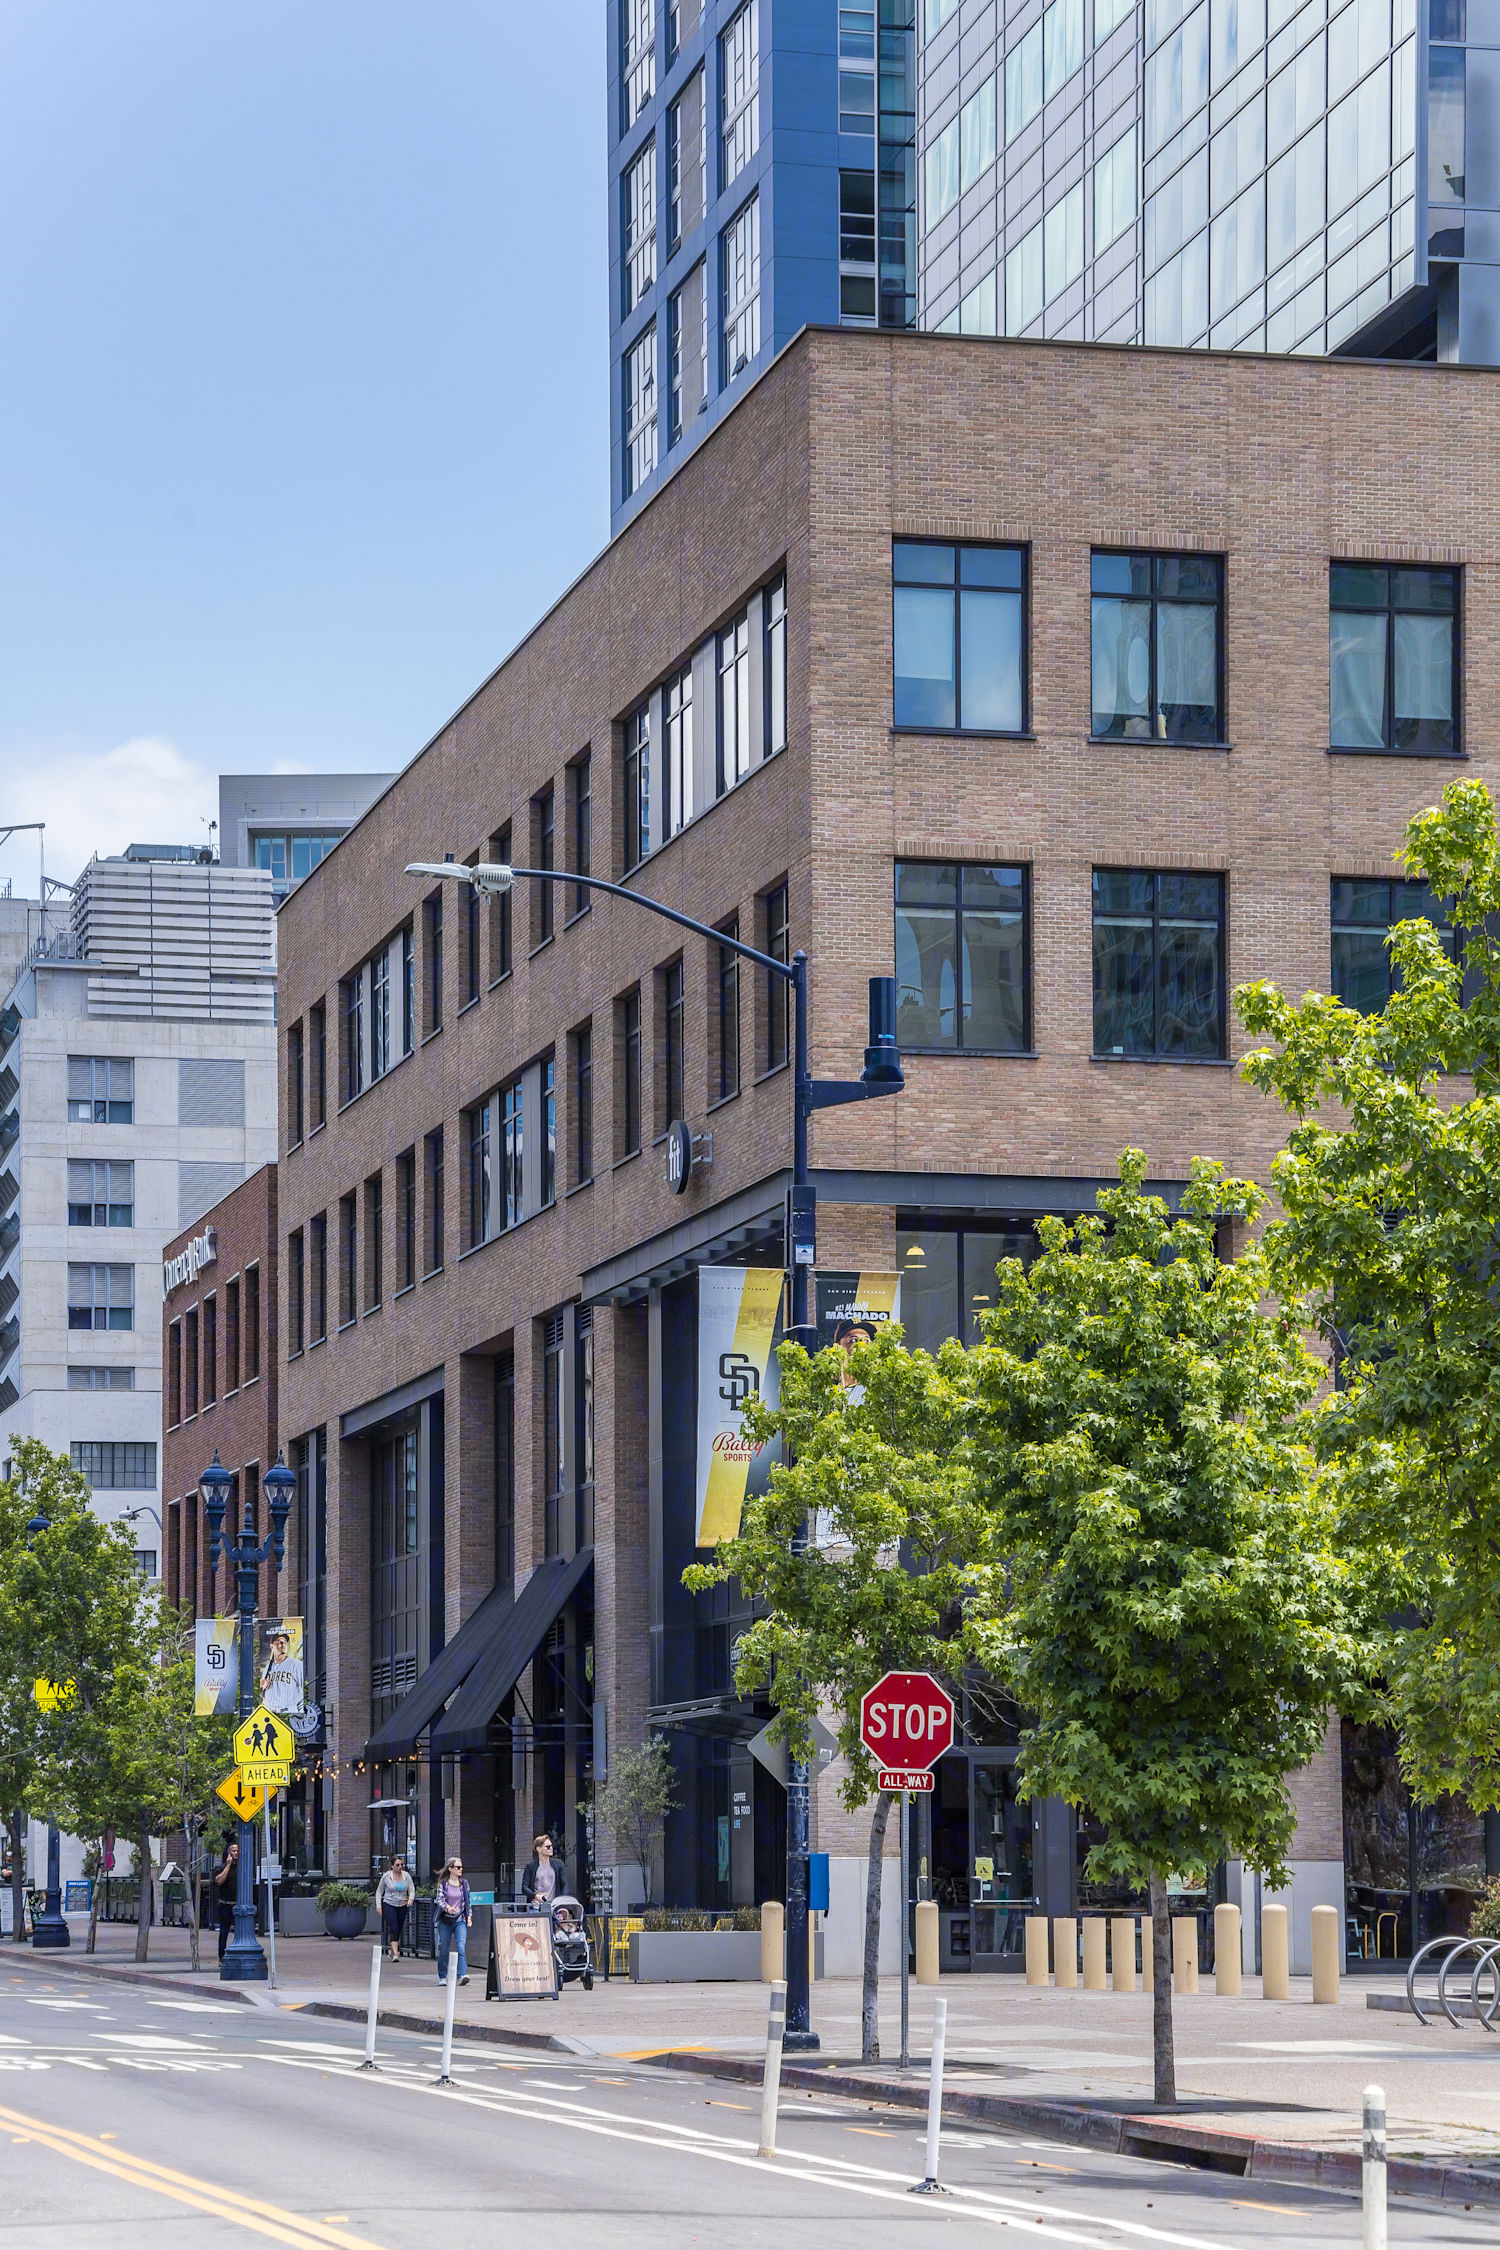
[
  {"x": 243, "y": 1800},
  {"x": 263, "y": 1747}
]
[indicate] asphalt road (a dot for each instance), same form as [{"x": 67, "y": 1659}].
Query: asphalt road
[{"x": 150, "y": 2123}]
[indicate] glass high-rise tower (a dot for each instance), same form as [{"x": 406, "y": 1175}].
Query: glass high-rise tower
[
  {"x": 1236, "y": 173},
  {"x": 762, "y": 176}
]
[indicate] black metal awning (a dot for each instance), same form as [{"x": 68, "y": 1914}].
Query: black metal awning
[
  {"x": 396, "y": 1736},
  {"x": 511, "y": 1640}
]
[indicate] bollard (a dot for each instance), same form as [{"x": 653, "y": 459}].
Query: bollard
[
  {"x": 927, "y": 1941},
  {"x": 1065, "y": 1951},
  {"x": 772, "y": 1940},
  {"x": 1184, "y": 1952},
  {"x": 1275, "y": 1972},
  {"x": 929, "y": 2185},
  {"x": 770, "y": 2087},
  {"x": 369, "y": 2061},
  {"x": 1036, "y": 1949},
  {"x": 1122, "y": 1951},
  {"x": 1326, "y": 1934},
  {"x": 450, "y": 1995},
  {"x": 1227, "y": 1952},
  {"x": 1148, "y": 1954},
  {"x": 1095, "y": 1929},
  {"x": 1372, "y": 2169}
]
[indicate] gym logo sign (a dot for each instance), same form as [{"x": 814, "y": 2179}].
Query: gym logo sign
[{"x": 188, "y": 1264}]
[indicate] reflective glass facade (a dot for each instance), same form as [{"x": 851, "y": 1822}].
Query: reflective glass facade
[{"x": 1235, "y": 173}]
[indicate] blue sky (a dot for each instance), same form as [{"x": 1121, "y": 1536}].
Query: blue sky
[{"x": 303, "y": 394}]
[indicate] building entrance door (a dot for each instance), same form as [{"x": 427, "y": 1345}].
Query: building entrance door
[{"x": 1002, "y": 1890}]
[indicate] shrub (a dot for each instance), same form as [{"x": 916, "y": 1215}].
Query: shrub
[
  {"x": 1485, "y": 1920},
  {"x": 342, "y": 1894}
]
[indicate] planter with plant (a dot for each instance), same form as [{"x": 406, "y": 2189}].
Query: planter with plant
[{"x": 344, "y": 1908}]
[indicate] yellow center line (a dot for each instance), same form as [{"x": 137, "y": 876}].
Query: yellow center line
[
  {"x": 1284, "y": 2210},
  {"x": 200, "y": 2195}
]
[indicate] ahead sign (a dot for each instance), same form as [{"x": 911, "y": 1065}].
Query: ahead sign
[{"x": 906, "y": 1723}]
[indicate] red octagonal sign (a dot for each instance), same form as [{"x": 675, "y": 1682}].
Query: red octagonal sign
[{"x": 906, "y": 1723}]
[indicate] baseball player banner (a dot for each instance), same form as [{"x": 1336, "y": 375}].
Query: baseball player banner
[
  {"x": 739, "y": 1327},
  {"x": 281, "y": 1679}
]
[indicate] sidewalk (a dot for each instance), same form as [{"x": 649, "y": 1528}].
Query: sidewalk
[{"x": 1273, "y": 2088}]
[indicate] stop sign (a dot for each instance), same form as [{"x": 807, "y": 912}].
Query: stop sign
[{"x": 906, "y": 1721}]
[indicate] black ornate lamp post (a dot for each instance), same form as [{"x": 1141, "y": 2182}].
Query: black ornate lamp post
[
  {"x": 244, "y": 1962},
  {"x": 881, "y": 1075},
  {"x": 51, "y": 1930}
]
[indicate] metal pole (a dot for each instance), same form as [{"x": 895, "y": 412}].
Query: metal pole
[
  {"x": 52, "y": 1930},
  {"x": 929, "y": 2185},
  {"x": 450, "y": 1996},
  {"x": 270, "y": 1893},
  {"x": 770, "y": 2086},
  {"x": 244, "y": 1962},
  {"x": 374, "y": 2008},
  {"x": 1372, "y": 2169},
  {"x": 905, "y": 1921},
  {"x": 800, "y": 2036}
]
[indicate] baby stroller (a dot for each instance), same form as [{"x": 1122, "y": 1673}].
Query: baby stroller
[{"x": 570, "y": 1943}]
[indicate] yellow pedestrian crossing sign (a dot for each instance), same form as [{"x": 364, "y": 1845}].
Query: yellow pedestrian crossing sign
[
  {"x": 243, "y": 1801},
  {"x": 263, "y": 1746}
]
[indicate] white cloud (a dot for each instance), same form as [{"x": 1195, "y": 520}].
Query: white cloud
[{"x": 145, "y": 791}]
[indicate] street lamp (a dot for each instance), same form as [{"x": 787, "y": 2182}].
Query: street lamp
[
  {"x": 51, "y": 1932},
  {"x": 244, "y": 1962},
  {"x": 881, "y": 1075}
]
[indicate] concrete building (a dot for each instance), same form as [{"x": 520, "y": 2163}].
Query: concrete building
[
  {"x": 287, "y": 823},
  {"x": 138, "y": 1071},
  {"x": 761, "y": 176},
  {"x": 1240, "y": 173},
  {"x": 1061, "y": 679}
]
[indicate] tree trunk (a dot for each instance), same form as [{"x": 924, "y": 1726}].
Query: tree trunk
[
  {"x": 869, "y": 2013},
  {"x": 17, "y": 1880},
  {"x": 143, "y": 1896},
  {"x": 96, "y": 1899},
  {"x": 1164, "y": 2060},
  {"x": 194, "y": 1875}
]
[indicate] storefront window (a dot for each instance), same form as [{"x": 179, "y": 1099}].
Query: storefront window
[{"x": 948, "y": 1278}]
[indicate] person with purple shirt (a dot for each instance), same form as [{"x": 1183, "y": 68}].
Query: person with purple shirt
[{"x": 452, "y": 1918}]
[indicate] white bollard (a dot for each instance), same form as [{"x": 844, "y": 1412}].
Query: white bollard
[
  {"x": 770, "y": 2088},
  {"x": 374, "y": 2010},
  {"x": 930, "y": 2185},
  {"x": 450, "y": 1995},
  {"x": 1372, "y": 2169}
]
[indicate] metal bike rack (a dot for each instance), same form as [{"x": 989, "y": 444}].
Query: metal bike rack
[
  {"x": 1485, "y": 2011},
  {"x": 1433, "y": 1945}
]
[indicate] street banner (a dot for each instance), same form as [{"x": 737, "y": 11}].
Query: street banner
[
  {"x": 281, "y": 1677},
  {"x": 852, "y": 1306},
  {"x": 216, "y": 1667},
  {"x": 739, "y": 1327}
]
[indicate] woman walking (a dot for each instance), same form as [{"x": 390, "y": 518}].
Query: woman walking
[
  {"x": 452, "y": 1919},
  {"x": 543, "y": 1876},
  {"x": 393, "y": 1896}
]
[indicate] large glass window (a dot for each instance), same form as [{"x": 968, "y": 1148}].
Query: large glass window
[
  {"x": 638, "y": 192},
  {"x": 1158, "y": 964},
  {"x": 512, "y": 1154},
  {"x": 101, "y": 1296},
  {"x": 101, "y": 1090},
  {"x": 739, "y": 82},
  {"x": 961, "y": 958},
  {"x": 637, "y": 56},
  {"x": 1156, "y": 642},
  {"x": 1393, "y": 658},
  {"x": 116, "y": 1465},
  {"x": 774, "y": 614},
  {"x": 959, "y": 636},
  {"x": 734, "y": 702},
  {"x": 948, "y": 1277},
  {"x": 856, "y": 70},
  {"x": 639, "y": 377},
  {"x": 741, "y": 289},
  {"x": 1116, "y": 188},
  {"x": 637, "y": 786},
  {"x": 100, "y": 1194},
  {"x": 677, "y": 718},
  {"x": 1364, "y": 911}
]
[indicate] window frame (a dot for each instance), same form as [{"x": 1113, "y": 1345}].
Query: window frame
[
  {"x": 502, "y": 918},
  {"x": 1390, "y": 612},
  {"x": 100, "y": 1211},
  {"x": 581, "y": 1058},
  {"x": 960, "y": 1047},
  {"x": 317, "y": 1278},
  {"x": 727, "y": 1063},
  {"x": 635, "y": 783},
  {"x": 580, "y": 829},
  {"x": 100, "y": 1105},
  {"x": 1392, "y": 885},
  {"x": 109, "y": 1268},
  {"x": 1156, "y": 556},
  {"x": 628, "y": 1048},
  {"x": 956, "y": 589},
  {"x": 406, "y": 1219},
  {"x": 1155, "y": 1057},
  {"x": 777, "y": 923}
]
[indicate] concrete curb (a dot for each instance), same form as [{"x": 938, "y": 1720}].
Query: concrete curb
[
  {"x": 108, "y": 1974},
  {"x": 1128, "y": 2133},
  {"x": 496, "y": 2034}
]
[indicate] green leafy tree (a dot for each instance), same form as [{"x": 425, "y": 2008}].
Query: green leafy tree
[
  {"x": 1390, "y": 1195},
  {"x": 1162, "y": 1595},
  {"x": 877, "y": 1473},
  {"x": 633, "y": 1802}
]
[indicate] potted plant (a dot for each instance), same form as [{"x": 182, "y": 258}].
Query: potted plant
[{"x": 344, "y": 1907}]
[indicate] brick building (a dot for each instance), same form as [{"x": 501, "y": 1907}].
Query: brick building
[{"x": 1078, "y": 683}]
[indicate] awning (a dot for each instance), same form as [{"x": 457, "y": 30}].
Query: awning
[
  {"x": 396, "y": 1735},
  {"x": 511, "y": 1643}
]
